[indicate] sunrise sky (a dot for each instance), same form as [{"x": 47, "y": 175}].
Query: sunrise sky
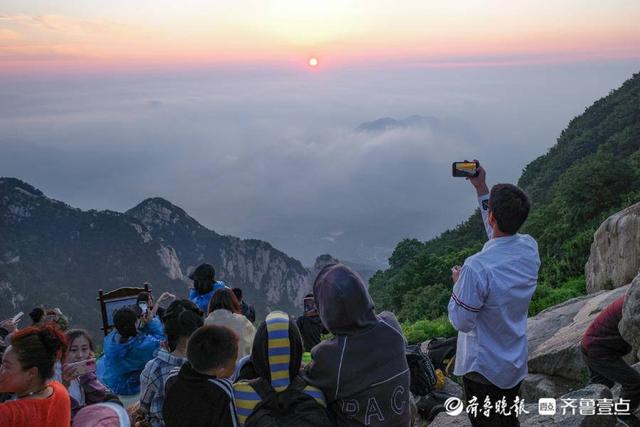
[{"x": 85, "y": 35}]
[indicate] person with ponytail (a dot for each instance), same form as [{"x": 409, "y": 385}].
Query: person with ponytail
[
  {"x": 26, "y": 371},
  {"x": 181, "y": 319}
]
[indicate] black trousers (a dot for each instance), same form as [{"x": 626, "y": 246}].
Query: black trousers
[
  {"x": 615, "y": 370},
  {"x": 495, "y": 394}
]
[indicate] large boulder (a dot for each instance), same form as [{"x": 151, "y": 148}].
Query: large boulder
[
  {"x": 615, "y": 251},
  {"x": 560, "y": 354},
  {"x": 566, "y": 418},
  {"x": 535, "y": 386},
  {"x": 546, "y": 323}
]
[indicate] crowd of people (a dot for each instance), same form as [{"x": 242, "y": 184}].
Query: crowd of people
[{"x": 201, "y": 360}]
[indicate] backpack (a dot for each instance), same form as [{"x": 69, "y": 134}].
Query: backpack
[
  {"x": 288, "y": 408},
  {"x": 442, "y": 352},
  {"x": 423, "y": 373}
]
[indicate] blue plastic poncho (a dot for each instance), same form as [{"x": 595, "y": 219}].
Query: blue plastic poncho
[
  {"x": 202, "y": 301},
  {"x": 120, "y": 365}
]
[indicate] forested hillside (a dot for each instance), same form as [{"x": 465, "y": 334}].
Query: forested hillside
[{"x": 591, "y": 172}]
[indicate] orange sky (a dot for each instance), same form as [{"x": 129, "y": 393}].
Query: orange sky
[{"x": 55, "y": 35}]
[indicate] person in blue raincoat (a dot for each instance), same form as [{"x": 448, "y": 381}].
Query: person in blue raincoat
[
  {"x": 204, "y": 286},
  {"x": 126, "y": 351}
]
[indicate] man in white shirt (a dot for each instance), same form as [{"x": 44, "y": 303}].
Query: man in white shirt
[{"x": 489, "y": 306}]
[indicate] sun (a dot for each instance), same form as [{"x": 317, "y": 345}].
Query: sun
[{"x": 313, "y": 62}]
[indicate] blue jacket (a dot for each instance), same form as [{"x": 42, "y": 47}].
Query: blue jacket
[
  {"x": 120, "y": 365},
  {"x": 202, "y": 301}
]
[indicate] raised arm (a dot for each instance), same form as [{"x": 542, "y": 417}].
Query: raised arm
[{"x": 482, "y": 190}]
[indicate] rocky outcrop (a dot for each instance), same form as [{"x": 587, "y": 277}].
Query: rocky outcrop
[
  {"x": 615, "y": 252},
  {"x": 535, "y": 386},
  {"x": 559, "y": 354}
]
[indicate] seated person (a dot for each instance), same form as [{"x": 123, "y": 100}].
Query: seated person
[
  {"x": 27, "y": 368},
  {"x": 181, "y": 319},
  {"x": 365, "y": 381},
  {"x": 603, "y": 348},
  {"x": 276, "y": 335},
  {"x": 204, "y": 286},
  {"x": 224, "y": 310},
  {"x": 199, "y": 394},
  {"x": 80, "y": 378},
  {"x": 127, "y": 350}
]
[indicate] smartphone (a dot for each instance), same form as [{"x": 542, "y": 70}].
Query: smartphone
[
  {"x": 465, "y": 169},
  {"x": 144, "y": 307},
  {"x": 83, "y": 367},
  {"x": 15, "y": 319}
]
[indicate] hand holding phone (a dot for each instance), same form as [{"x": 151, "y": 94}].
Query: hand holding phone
[
  {"x": 465, "y": 169},
  {"x": 77, "y": 369}
]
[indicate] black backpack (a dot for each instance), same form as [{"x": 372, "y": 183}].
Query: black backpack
[
  {"x": 288, "y": 408},
  {"x": 423, "y": 373},
  {"x": 442, "y": 352}
]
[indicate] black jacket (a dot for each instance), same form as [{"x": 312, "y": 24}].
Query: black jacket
[{"x": 196, "y": 400}]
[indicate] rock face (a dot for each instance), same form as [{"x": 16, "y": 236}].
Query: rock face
[
  {"x": 615, "y": 252},
  {"x": 51, "y": 253},
  {"x": 535, "y": 386},
  {"x": 559, "y": 354}
]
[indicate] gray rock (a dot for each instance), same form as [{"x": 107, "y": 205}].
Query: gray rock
[
  {"x": 546, "y": 323},
  {"x": 445, "y": 420},
  {"x": 535, "y": 386},
  {"x": 560, "y": 355},
  {"x": 452, "y": 388},
  {"x": 615, "y": 252},
  {"x": 593, "y": 391}
]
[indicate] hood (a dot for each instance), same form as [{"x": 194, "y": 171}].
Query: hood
[
  {"x": 277, "y": 350},
  {"x": 343, "y": 301},
  {"x": 114, "y": 348}
]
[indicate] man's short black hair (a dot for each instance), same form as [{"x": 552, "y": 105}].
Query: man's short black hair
[
  {"x": 510, "y": 207},
  {"x": 238, "y": 293},
  {"x": 212, "y": 347}
]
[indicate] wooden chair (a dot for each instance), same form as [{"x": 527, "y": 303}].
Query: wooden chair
[{"x": 113, "y": 300}]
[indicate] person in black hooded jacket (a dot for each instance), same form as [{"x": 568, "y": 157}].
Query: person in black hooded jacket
[{"x": 363, "y": 370}]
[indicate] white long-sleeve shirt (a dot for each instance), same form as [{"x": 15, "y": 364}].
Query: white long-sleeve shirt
[{"x": 489, "y": 306}]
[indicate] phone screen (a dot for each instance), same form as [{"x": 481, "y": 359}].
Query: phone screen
[
  {"x": 465, "y": 169},
  {"x": 144, "y": 307}
]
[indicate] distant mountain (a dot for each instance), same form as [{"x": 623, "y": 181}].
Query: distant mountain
[
  {"x": 387, "y": 123},
  {"x": 54, "y": 254}
]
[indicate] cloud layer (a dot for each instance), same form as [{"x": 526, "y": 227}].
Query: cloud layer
[{"x": 275, "y": 155}]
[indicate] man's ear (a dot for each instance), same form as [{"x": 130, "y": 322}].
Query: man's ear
[{"x": 491, "y": 219}]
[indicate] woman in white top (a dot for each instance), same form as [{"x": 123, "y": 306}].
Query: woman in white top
[{"x": 224, "y": 310}]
